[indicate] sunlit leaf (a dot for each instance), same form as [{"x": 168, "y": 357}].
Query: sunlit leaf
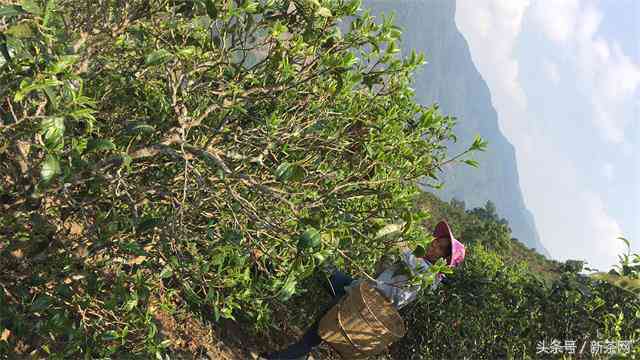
[
  {"x": 166, "y": 272},
  {"x": 288, "y": 290},
  {"x": 26, "y": 87},
  {"x": 324, "y": 12},
  {"x": 53, "y": 131},
  {"x": 21, "y": 30},
  {"x": 158, "y": 57},
  {"x": 50, "y": 168},
  {"x": 187, "y": 51},
  {"x": 389, "y": 232},
  {"x": 31, "y": 6},
  {"x": 63, "y": 63},
  {"x": 131, "y": 304},
  {"x": 310, "y": 238}
]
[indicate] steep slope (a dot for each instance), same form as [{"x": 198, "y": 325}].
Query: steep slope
[{"x": 451, "y": 79}]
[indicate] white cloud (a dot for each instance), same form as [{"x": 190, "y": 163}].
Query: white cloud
[
  {"x": 627, "y": 150},
  {"x": 606, "y": 230},
  {"x": 573, "y": 221},
  {"x": 605, "y": 121},
  {"x": 607, "y": 171},
  {"x": 556, "y": 18},
  {"x": 552, "y": 72},
  {"x": 606, "y": 75}
]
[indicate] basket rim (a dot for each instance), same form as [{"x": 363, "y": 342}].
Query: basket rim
[
  {"x": 395, "y": 311},
  {"x": 345, "y": 334}
]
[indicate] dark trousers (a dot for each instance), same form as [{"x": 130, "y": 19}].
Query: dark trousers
[{"x": 338, "y": 280}]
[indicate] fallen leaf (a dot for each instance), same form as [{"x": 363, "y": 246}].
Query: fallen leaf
[
  {"x": 75, "y": 228},
  {"x": 5, "y": 335},
  {"x": 137, "y": 260},
  {"x": 17, "y": 253},
  {"x": 256, "y": 253},
  {"x": 81, "y": 251}
]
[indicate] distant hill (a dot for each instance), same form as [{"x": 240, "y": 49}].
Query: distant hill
[{"x": 452, "y": 80}]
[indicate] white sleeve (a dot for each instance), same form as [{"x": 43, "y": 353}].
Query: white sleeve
[
  {"x": 398, "y": 293},
  {"x": 436, "y": 283},
  {"x": 420, "y": 265},
  {"x": 416, "y": 264}
]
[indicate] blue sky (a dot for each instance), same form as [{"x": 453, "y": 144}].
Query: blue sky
[{"x": 565, "y": 80}]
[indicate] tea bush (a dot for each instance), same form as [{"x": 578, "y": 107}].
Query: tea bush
[
  {"x": 195, "y": 156},
  {"x": 171, "y": 160},
  {"x": 498, "y": 308}
]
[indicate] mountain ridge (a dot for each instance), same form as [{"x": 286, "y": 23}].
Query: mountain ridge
[{"x": 451, "y": 79}]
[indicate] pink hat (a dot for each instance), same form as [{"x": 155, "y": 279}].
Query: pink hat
[{"x": 457, "y": 249}]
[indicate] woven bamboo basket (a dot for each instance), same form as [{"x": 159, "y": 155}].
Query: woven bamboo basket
[{"x": 362, "y": 324}]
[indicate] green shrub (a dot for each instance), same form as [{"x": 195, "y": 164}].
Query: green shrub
[
  {"x": 196, "y": 155},
  {"x": 500, "y": 307}
]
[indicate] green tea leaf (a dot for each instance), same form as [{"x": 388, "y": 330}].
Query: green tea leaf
[
  {"x": 281, "y": 171},
  {"x": 31, "y": 6},
  {"x": 250, "y": 7},
  {"x": 53, "y": 131},
  {"x": 187, "y": 51},
  {"x": 52, "y": 97},
  {"x": 8, "y": 11},
  {"x": 166, "y": 272},
  {"x": 287, "y": 171},
  {"x": 50, "y": 168},
  {"x": 479, "y": 144},
  {"x": 473, "y": 163},
  {"x": 287, "y": 290},
  {"x": 26, "y": 87},
  {"x": 63, "y": 63},
  {"x": 211, "y": 9},
  {"x": 625, "y": 240},
  {"x": 389, "y": 232},
  {"x": 110, "y": 335},
  {"x": 85, "y": 113},
  {"x": 232, "y": 236},
  {"x": 51, "y": 5},
  {"x": 79, "y": 145},
  {"x": 309, "y": 239},
  {"x": 21, "y": 30},
  {"x": 158, "y": 57},
  {"x": 131, "y": 304},
  {"x": 99, "y": 145},
  {"x": 324, "y": 12},
  {"x": 126, "y": 160},
  {"x": 140, "y": 128}
]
